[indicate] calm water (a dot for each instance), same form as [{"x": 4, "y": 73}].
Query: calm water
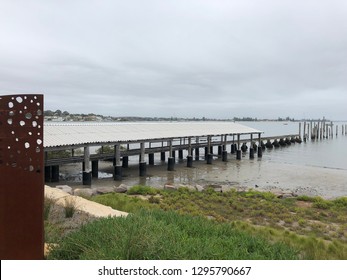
[{"x": 327, "y": 153}]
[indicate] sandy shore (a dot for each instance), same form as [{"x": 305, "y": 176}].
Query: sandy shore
[{"x": 258, "y": 174}]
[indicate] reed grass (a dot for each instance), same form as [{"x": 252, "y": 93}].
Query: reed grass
[{"x": 158, "y": 234}]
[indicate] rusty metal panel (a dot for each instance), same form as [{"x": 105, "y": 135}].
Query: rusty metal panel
[{"x": 21, "y": 177}]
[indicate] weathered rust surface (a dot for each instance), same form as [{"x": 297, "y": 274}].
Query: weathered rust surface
[{"x": 21, "y": 177}]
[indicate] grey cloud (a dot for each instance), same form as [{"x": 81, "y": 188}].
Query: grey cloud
[{"x": 190, "y": 58}]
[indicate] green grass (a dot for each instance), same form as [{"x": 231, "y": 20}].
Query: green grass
[
  {"x": 156, "y": 234},
  {"x": 315, "y": 227},
  {"x": 142, "y": 190},
  {"x": 122, "y": 202}
]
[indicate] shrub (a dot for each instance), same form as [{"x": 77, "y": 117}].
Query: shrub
[
  {"x": 70, "y": 207},
  {"x": 142, "y": 190},
  {"x": 48, "y": 203},
  {"x": 321, "y": 203},
  {"x": 340, "y": 202}
]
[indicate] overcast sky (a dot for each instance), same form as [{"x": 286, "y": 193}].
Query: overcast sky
[{"x": 180, "y": 58}]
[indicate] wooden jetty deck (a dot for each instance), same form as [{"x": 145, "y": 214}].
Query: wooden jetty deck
[{"x": 148, "y": 139}]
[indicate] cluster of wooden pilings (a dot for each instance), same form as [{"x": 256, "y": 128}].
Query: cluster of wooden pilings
[{"x": 317, "y": 130}]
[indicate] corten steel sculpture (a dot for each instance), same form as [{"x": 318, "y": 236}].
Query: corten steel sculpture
[{"x": 21, "y": 177}]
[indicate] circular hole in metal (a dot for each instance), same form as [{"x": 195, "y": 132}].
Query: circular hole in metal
[
  {"x": 39, "y": 112},
  {"x": 39, "y": 141},
  {"x": 31, "y": 168},
  {"x": 17, "y": 139},
  {"x": 22, "y": 123},
  {"x": 9, "y": 147},
  {"x": 14, "y": 164},
  {"x": 38, "y": 104},
  {"x": 25, "y": 97},
  {"x": 35, "y": 97},
  {"x": 28, "y": 116},
  {"x": 30, "y": 133},
  {"x": 38, "y": 149},
  {"x": 34, "y": 123},
  {"x": 11, "y": 113},
  {"x": 9, "y": 121},
  {"x": 19, "y": 99},
  {"x": 26, "y": 145},
  {"x": 12, "y": 132},
  {"x": 10, "y": 105}
]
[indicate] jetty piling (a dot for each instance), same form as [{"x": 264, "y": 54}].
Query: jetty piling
[{"x": 87, "y": 173}]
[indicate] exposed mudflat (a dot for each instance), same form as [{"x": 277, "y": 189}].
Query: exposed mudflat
[{"x": 256, "y": 173}]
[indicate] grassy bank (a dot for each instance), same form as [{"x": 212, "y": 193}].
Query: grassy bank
[
  {"x": 157, "y": 234},
  {"x": 301, "y": 227}
]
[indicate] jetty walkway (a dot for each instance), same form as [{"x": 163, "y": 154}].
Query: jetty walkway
[{"x": 141, "y": 139}]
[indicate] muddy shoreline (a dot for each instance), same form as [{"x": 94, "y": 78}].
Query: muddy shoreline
[{"x": 245, "y": 174}]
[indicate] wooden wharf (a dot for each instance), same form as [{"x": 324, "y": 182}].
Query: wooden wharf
[{"x": 188, "y": 148}]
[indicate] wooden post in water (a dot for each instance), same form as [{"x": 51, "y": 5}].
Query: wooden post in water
[
  {"x": 304, "y": 132},
  {"x": 209, "y": 153},
  {"x": 260, "y": 150},
  {"x": 87, "y": 173},
  {"x": 337, "y": 130},
  {"x": 117, "y": 168},
  {"x": 299, "y": 130},
  {"x": 321, "y": 131},
  {"x": 238, "y": 152}
]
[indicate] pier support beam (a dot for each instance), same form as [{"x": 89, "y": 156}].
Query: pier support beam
[
  {"x": 220, "y": 150},
  {"x": 232, "y": 149},
  {"x": 260, "y": 150},
  {"x": 151, "y": 159},
  {"x": 197, "y": 154},
  {"x": 197, "y": 149},
  {"x": 171, "y": 164},
  {"x": 210, "y": 151},
  {"x": 87, "y": 173},
  {"x": 162, "y": 156},
  {"x": 48, "y": 173},
  {"x": 171, "y": 159},
  {"x": 117, "y": 176},
  {"x": 238, "y": 152},
  {"x": 224, "y": 152},
  {"x": 55, "y": 173},
  {"x": 251, "y": 149},
  {"x": 189, "y": 157},
  {"x": 142, "y": 165},
  {"x": 125, "y": 162},
  {"x": 189, "y": 161},
  {"x": 180, "y": 154},
  {"x": 117, "y": 167},
  {"x": 95, "y": 168}
]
